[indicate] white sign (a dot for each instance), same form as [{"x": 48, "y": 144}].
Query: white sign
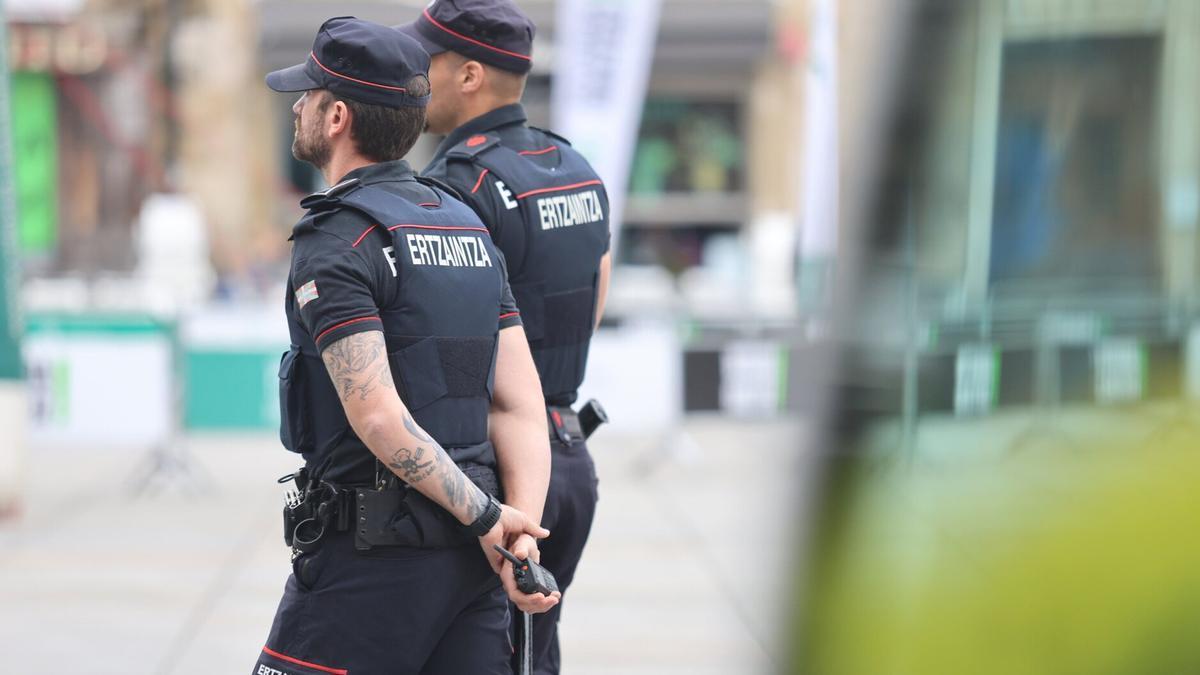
[
  {"x": 1119, "y": 370},
  {"x": 750, "y": 378},
  {"x": 651, "y": 401},
  {"x": 602, "y": 55},
  {"x": 110, "y": 390},
  {"x": 976, "y": 378}
]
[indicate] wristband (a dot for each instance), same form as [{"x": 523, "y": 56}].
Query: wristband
[{"x": 486, "y": 520}]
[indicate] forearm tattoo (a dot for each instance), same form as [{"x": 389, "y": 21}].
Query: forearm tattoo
[
  {"x": 358, "y": 365},
  {"x": 415, "y": 465}
]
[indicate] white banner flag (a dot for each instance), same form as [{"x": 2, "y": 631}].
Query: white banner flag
[
  {"x": 603, "y": 51},
  {"x": 819, "y": 169}
]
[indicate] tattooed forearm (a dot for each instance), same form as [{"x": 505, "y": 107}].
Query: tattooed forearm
[
  {"x": 462, "y": 493},
  {"x": 462, "y": 497},
  {"x": 412, "y": 465},
  {"x": 358, "y": 365}
]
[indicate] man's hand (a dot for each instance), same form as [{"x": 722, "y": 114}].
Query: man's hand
[
  {"x": 534, "y": 603},
  {"x": 512, "y": 525}
]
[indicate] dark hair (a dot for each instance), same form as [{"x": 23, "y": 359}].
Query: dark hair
[{"x": 381, "y": 133}]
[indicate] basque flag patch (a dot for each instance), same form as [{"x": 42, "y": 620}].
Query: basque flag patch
[{"x": 307, "y": 293}]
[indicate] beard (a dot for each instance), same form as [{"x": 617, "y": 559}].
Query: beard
[{"x": 308, "y": 145}]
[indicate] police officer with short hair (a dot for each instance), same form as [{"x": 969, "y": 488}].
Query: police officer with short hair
[
  {"x": 547, "y": 211},
  {"x": 409, "y": 389}
]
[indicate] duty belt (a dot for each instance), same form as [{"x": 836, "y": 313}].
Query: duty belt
[{"x": 387, "y": 514}]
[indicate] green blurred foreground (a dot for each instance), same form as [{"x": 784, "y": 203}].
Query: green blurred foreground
[{"x": 1013, "y": 545}]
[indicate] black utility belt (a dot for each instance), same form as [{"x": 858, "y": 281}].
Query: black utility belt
[
  {"x": 567, "y": 426},
  {"x": 392, "y": 515}
]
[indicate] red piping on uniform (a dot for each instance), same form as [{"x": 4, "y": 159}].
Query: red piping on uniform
[
  {"x": 558, "y": 189},
  {"x": 306, "y": 664},
  {"x": 363, "y": 236},
  {"x": 428, "y": 204},
  {"x": 477, "y": 42},
  {"x": 479, "y": 182},
  {"x": 509, "y": 315},
  {"x": 435, "y": 227},
  {"x": 538, "y": 152},
  {"x": 346, "y": 323},
  {"x": 353, "y": 79}
]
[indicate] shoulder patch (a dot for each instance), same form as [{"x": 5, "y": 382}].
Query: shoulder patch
[
  {"x": 329, "y": 197},
  {"x": 435, "y": 183},
  {"x": 473, "y": 146},
  {"x": 551, "y": 134}
]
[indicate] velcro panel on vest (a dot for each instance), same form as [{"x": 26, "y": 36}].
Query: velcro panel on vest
[
  {"x": 467, "y": 363},
  {"x": 568, "y": 317},
  {"x": 446, "y": 384}
]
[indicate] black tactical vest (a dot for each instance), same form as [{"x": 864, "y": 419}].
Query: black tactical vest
[
  {"x": 440, "y": 322},
  {"x": 564, "y": 209}
]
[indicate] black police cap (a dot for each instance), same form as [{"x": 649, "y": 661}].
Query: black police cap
[
  {"x": 495, "y": 32},
  {"x": 359, "y": 60}
]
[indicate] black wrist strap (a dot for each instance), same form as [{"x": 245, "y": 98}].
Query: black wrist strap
[{"x": 486, "y": 520}]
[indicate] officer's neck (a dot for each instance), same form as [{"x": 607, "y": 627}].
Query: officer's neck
[
  {"x": 478, "y": 106},
  {"x": 342, "y": 163}
]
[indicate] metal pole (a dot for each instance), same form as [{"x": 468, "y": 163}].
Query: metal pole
[{"x": 526, "y": 644}]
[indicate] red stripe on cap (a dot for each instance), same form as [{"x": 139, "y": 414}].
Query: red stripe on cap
[
  {"x": 559, "y": 189},
  {"x": 538, "y": 152},
  {"x": 354, "y": 79},
  {"x": 479, "y": 182},
  {"x": 363, "y": 236},
  {"x": 306, "y": 664},
  {"x": 435, "y": 227},
  {"x": 476, "y": 42},
  {"x": 343, "y": 324}
]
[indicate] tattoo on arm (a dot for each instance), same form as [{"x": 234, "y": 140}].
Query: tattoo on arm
[
  {"x": 358, "y": 364},
  {"x": 409, "y": 465},
  {"x": 415, "y": 465}
]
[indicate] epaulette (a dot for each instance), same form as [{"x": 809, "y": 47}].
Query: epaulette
[
  {"x": 473, "y": 146},
  {"x": 551, "y": 134},
  {"x": 435, "y": 183},
  {"x": 330, "y": 197}
]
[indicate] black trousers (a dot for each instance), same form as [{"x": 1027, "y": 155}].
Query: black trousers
[
  {"x": 391, "y": 611},
  {"x": 570, "y": 507}
]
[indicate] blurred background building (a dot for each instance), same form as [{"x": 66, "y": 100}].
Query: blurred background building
[{"x": 133, "y": 118}]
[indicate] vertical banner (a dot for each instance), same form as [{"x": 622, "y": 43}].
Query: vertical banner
[
  {"x": 602, "y": 53},
  {"x": 818, "y": 222},
  {"x": 33, "y": 143},
  {"x": 10, "y": 355}
]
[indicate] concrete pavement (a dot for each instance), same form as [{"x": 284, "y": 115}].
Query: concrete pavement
[{"x": 185, "y": 581}]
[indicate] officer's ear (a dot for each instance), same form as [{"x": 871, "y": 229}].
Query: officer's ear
[
  {"x": 338, "y": 118},
  {"x": 470, "y": 77}
]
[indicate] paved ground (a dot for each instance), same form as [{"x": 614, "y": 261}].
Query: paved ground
[{"x": 96, "y": 580}]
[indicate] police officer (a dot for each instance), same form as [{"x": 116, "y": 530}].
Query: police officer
[
  {"x": 405, "y": 345},
  {"x": 547, "y": 210}
]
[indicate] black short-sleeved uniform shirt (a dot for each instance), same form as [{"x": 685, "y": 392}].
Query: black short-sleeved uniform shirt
[
  {"x": 478, "y": 188},
  {"x": 340, "y": 280}
]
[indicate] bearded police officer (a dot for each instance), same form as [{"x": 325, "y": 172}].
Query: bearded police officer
[
  {"x": 406, "y": 344},
  {"x": 547, "y": 211}
]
